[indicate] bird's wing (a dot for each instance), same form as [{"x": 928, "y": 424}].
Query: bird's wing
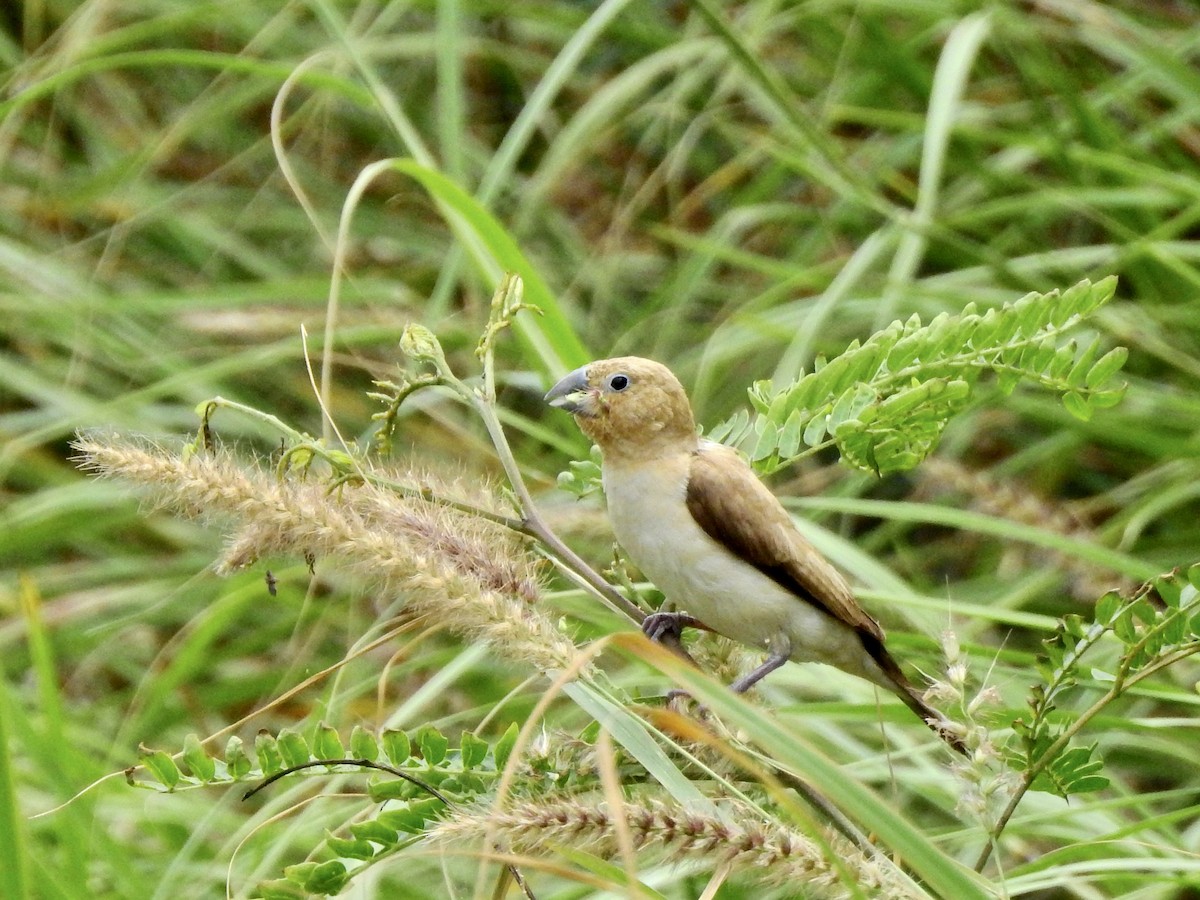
[{"x": 737, "y": 510}]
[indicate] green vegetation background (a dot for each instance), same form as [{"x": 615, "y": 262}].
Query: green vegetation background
[{"x": 730, "y": 202}]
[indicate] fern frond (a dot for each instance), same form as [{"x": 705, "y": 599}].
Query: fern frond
[
  {"x": 426, "y": 776},
  {"x": 884, "y": 403},
  {"x": 1156, "y": 627}
]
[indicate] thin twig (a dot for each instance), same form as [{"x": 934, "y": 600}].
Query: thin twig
[
  {"x": 1123, "y": 680},
  {"x": 361, "y": 763},
  {"x": 531, "y": 520},
  {"x": 391, "y": 770}
]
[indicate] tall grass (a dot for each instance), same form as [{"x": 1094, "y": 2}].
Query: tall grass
[{"x": 732, "y": 189}]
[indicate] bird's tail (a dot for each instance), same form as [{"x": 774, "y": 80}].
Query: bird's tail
[
  {"x": 900, "y": 686},
  {"x": 938, "y": 724}
]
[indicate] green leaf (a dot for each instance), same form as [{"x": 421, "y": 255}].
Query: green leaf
[
  {"x": 373, "y": 830},
  {"x": 472, "y": 783},
  {"x": 420, "y": 344},
  {"x": 161, "y": 766},
  {"x": 1107, "y": 399},
  {"x": 270, "y": 760},
  {"x": 363, "y": 744},
  {"x": 504, "y": 746},
  {"x": 411, "y": 817},
  {"x": 473, "y": 750},
  {"x": 582, "y": 478},
  {"x": 1077, "y": 405},
  {"x": 1073, "y": 625},
  {"x": 280, "y": 889},
  {"x": 1106, "y": 367},
  {"x": 731, "y": 429},
  {"x": 887, "y": 401},
  {"x": 348, "y": 847},
  {"x": 199, "y": 763},
  {"x": 1143, "y": 611},
  {"x": 1108, "y": 606},
  {"x": 392, "y": 789},
  {"x": 327, "y": 878},
  {"x": 1193, "y": 576},
  {"x": 1123, "y": 626},
  {"x": 1086, "y": 784},
  {"x": 1077, "y": 376},
  {"x": 815, "y": 430},
  {"x": 791, "y": 435},
  {"x": 1175, "y": 630},
  {"x": 327, "y": 744},
  {"x": 767, "y": 440},
  {"x": 300, "y": 872},
  {"x": 433, "y": 745},
  {"x": 1168, "y": 590},
  {"x": 293, "y": 748},
  {"x": 903, "y": 353},
  {"x": 1074, "y": 771},
  {"x": 397, "y": 746},
  {"x": 850, "y": 404},
  {"x": 237, "y": 763},
  {"x": 1062, "y": 362}
]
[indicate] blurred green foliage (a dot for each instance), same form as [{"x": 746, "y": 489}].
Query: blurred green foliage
[{"x": 734, "y": 189}]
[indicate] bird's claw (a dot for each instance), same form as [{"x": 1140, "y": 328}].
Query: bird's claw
[
  {"x": 661, "y": 626},
  {"x": 667, "y": 627}
]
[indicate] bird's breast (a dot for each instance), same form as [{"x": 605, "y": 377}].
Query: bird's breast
[
  {"x": 649, "y": 515},
  {"x": 648, "y": 509}
]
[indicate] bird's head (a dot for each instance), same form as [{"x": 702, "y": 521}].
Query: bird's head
[{"x": 631, "y": 407}]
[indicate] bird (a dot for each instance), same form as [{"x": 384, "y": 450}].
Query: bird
[{"x": 698, "y": 522}]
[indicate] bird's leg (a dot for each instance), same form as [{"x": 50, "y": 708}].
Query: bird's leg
[
  {"x": 750, "y": 679},
  {"x": 666, "y": 628},
  {"x": 780, "y": 651}
]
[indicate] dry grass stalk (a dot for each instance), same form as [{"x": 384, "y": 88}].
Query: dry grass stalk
[
  {"x": 464, "y": 571},
  {"x": 763, "y": 849}
]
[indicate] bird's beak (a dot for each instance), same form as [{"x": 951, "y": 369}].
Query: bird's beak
[{"x": 572, "y": 394}]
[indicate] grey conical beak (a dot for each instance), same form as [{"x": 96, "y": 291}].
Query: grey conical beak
[{"x": 571, "y": 392}]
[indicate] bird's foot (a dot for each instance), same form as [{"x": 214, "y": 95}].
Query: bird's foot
[{"x": 667, "y": 627}]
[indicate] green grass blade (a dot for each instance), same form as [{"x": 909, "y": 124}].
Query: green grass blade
[
  {"x": 791, "y": 750},
  {"x": 12, "y": 838},
  {"x": 552, "y": 342}
]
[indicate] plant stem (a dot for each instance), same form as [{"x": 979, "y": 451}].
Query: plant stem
[
  {"x": 531, "y": 520},
  {"x": 1122, "y": 682},
  {"x": 1031, "y": 774},
  {"x": 273, "y": 421},
  {"x": 533, "y": 523}
]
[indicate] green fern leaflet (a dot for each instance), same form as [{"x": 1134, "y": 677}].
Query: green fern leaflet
[{"x": 885, "y": 403}]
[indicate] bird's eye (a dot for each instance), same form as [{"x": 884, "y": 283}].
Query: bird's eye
[{"x": 618, "y": 382}]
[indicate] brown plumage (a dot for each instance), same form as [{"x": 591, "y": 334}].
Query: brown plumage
[{"x": 714, "y": 539}]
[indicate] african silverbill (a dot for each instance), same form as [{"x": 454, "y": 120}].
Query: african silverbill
[{"x": 697, "y": 521}]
